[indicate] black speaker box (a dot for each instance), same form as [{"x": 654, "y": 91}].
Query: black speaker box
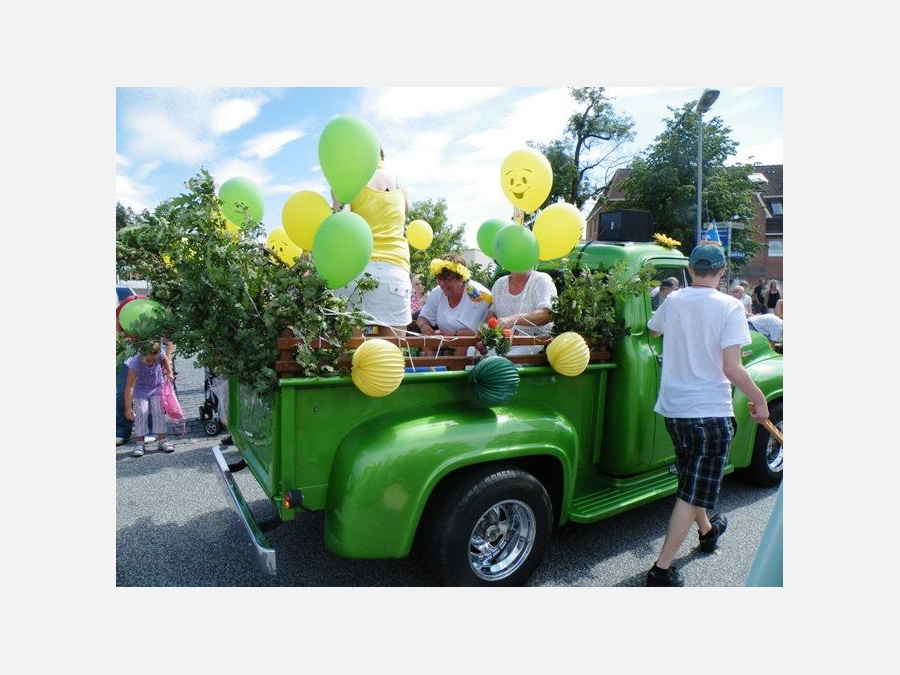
[{"x": 626, "y": 226}]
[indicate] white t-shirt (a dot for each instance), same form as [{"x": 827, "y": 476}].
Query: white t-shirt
[
  {"x": 538, "y": 293},
  {"x": 697, "y": 323},
  {"x": 465, "y": 316},
  {"x": 768, "y": 324}
]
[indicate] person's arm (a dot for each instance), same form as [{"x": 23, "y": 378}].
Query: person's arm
[
  {"x": 736, "y": 373},
  {"x": 167, "y": 368},
  {"x": 427, "y": 317},
  {"x": 129, "y": 393},
  {"x": 536, "y": 317}
]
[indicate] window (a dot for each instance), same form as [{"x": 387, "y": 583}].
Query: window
[
  {"x": 776, "y": 209},
  {"x": 776, "y": 248}
]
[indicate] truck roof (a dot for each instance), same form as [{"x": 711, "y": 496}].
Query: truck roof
[{"x": 636, "y": 254}]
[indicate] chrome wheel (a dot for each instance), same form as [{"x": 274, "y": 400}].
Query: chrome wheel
[{"x": 502, "y": 540}]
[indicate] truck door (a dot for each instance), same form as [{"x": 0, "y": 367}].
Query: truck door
[{"x": 663, "y": 450}]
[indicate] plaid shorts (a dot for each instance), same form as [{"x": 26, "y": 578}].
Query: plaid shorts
[{"x": 701, "y": 451}]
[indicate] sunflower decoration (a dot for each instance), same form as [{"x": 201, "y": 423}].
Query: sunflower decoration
[
  {"x": 664, "y": 240},
  {"x": 492, "y": 336}
]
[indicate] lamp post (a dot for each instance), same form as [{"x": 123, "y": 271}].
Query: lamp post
[{"x": 708, "y": 97}]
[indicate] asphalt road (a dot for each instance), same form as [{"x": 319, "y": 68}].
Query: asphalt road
[{"x": 175, "y": 528}]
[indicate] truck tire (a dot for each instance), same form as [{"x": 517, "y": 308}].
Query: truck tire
[
  {"x": 489, "y": 529},
  {"x": 767, "y": 463}
]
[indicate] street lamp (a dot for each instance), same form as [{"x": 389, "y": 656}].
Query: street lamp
[{"x": 708, "y": 97}]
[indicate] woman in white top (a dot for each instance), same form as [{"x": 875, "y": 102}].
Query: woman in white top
[
  {"x": 521, "y": 301},
  {"x": 450, "y": 311}
]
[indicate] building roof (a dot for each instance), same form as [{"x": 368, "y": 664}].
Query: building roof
[
  {"x": 770, "y": 178},
  {"x": 612, "y": 192}
]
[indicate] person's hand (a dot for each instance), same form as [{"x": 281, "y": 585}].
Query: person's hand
[
  {"x": 129, "y": 414},
  {"x": 759, "y": 411}
]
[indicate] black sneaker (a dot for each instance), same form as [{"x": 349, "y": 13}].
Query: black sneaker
[
  {"x": 661, "y": 577},
  {"x": 709, "y": 541}
]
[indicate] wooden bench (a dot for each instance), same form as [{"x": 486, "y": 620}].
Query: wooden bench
[{"x": 287, "y": 365}]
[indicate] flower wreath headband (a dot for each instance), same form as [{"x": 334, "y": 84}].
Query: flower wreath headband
[{"x": 439, "y": 264}]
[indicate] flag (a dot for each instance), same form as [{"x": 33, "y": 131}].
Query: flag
[{"x": 711, "y": 236}]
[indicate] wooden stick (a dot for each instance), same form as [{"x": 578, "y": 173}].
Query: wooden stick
[{"x": 768, "y": 425}]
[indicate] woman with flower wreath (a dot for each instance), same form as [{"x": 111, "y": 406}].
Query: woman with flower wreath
[{"x": 450, "y": 311}]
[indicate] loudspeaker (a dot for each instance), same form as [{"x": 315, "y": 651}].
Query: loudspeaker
[{"x": 626, "y": 226}]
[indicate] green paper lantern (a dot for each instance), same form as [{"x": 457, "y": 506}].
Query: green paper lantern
[{"x": 495, "y": 379}]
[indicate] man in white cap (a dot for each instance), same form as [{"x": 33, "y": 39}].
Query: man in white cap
[{"x": 703, "y": 330}]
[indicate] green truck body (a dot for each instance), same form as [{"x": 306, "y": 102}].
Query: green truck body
[{"x": 477, "y": 489}]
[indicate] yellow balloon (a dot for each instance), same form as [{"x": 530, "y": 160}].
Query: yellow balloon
[
  {"x": 286, "y": 250},
  {"x": 301, "y": 216},
  {"x": 419, "y": 234},
  {"x": 377, "y": 367},
  {"x": 526, "y": 178},
  {"x": 231, "y": 227},
  {"x": 568, "y": 354},
  {"x": 558, "y": 228}
]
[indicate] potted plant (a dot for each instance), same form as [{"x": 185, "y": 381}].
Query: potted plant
[{"x": 587, "y": 302}]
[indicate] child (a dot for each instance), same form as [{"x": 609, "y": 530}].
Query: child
[
  {"x": 703, "y": 331},
  {"x": 147, "y": 371}
]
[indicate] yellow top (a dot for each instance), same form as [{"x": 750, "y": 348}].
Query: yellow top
[{"x": 385, "y": 212}]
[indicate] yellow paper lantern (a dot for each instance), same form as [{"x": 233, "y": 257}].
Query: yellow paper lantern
[
  {"x": 419, "y": 234},
  {"x": 377, "y": 367},
  {"x": 568, "y": 354}
]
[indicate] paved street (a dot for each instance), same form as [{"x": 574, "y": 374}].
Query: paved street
[{"x": 175, "y": 527}]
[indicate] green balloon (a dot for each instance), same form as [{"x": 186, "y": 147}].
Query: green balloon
[
  {"x": 341, "y": 248},
  {"x": 137, "y": 316},
  {"x": 349, "y": 151},
  {"x": 487, "y": 232},
  {"x": 516, "y": 248},
  {"x": 244, "y": 191}
]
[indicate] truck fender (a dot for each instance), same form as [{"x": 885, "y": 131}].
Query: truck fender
[
  {"x": 386, "y": 469},
  {"x": 769, "y": 377}
]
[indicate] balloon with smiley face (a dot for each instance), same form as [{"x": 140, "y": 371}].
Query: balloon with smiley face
[{"x": 526, "y": 178}]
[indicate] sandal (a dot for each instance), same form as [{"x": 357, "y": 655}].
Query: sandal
[{"x": 167, "y": 446}]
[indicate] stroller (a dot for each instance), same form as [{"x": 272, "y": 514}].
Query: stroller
[{"x": 209, "y": 411}]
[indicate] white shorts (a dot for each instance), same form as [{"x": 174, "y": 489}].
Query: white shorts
[{"x": 389, "y": 304}]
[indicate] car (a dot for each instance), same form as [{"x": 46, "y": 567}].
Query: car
[{"x": 123, "y": 292}]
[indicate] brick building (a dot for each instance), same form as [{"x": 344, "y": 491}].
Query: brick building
[{"x": 767, "y": 219}]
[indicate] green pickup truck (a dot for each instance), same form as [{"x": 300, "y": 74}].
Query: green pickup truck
[{"x": 477, "y": 489}]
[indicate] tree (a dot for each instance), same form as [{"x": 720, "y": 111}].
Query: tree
[
  {"x": 224, "y": 297},
  {"x": 594, "y": 137},
  {"x": 663, "y": 180},
  {"x": 447, "y": 238}
]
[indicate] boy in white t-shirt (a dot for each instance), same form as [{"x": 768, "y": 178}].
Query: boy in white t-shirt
[{"x": 703, "y": 330}]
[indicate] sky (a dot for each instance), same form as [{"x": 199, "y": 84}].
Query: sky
[{"x": 444, "y": 142}]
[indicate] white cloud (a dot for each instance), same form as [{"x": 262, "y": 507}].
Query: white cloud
[
  {"x": 269, "y": 145},
  {"x": 231, "y": 115},
  {"x": 160, "y": 136},
  {"x": 410, "y": 103},
  {"x": 131, "y": 194}
]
